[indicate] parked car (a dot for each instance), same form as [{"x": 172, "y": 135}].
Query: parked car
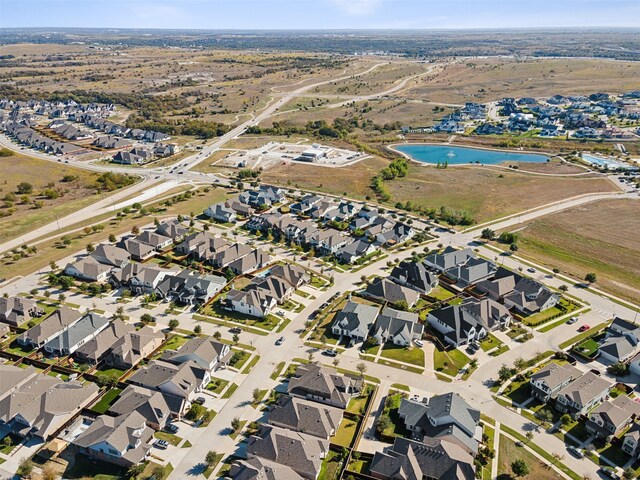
[
  {"x": 519, "y": 444},
  {"x": 235, "y": 330},
  {"x": 419, "y": 343},
  {"x": 609, "y": 472},
  {"x": 200, "y": 400},
  {"x": 162, "y": 444},
  {"x": 584, "y": 328},
  {"x": 572, "y": 320},
  {"x": 330, "y": 352},
  {"x": 531, "y": 270},
  {"x": 575, "y": 452},
  {"x": 171, "y": 428},
  {"x": 280, "y": 341}
]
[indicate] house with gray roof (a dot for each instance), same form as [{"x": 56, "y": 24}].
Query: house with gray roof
[
  {"x": 18, "y": 310},
  {"x": 414, "y": 275},
  {"x": 124, "y": 440},
  {"x": 141, "y": 279},
  {"x": 293, "y": 274},
  {"x": 228, "y": 255},
  {"x": 445, "y": 416},
  {"x": 261, "y": 469},
  {"x": 397, "y": 327},
  {"x": 320, "y": 384},
  {"x": 387, "y": 291},
  {"x": 173, "y": 229},
  {"x": 611, "y": 417},
  {"x": 129, "y": 349},
  {"x": 354, "y": 251},
  {"x": 97, "y": 348},
  {"x": 206, "y": 352},
  {"x": 433, "y": 459},
  {"x": 301, "y": 452},
  {"x": 471, "y": 272},
  {"x": 190, "y": 287},
  {"x": 158, "y": 408},
  {"x": 139, "y": 251},
  {"x": 221, "y": 212},
  {"x": 88, "y": 269},
  {"x": 111, "y": 255},
  {"x": 272, "y": 286},
  {"x": 581, "y": 395},
  {"x": 305, "y": 416},
  {"x": 50, "y": 327},
  {"x": 631, "y": 441},
  {"x": 449, "y": 258},
  {"x": 255, "y": 303},
  {"x": 618, "y": 348},
  {"x": 255, "y": 260},
  {"x": 72, "y": 338},
  {"x": 183, "y": 380},
  {"x": 155, "y": 240},
  {"x": 547, "y": 382},
  {"x": 38, "y": 405},
  {"x": 354, "y": 321},
  {"x": 529, "y": 297}
]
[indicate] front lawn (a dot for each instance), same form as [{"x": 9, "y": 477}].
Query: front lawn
[
  {"x": 508, "y": 452},
  {"x": 238, "y": 359},
  {"x": 489, "y": 343},
  {"x": 412, "y": 355},
  {"x": 169, "y": 437},
  {"x": 542, "y": 317},
  {"x": 449, "y": 362},
  {"x": 217, "y": 385}
]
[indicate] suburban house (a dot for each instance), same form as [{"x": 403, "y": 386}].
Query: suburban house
[
  {"x": 354, "y": 321},
  {"x": 272, "y": 286},
  {"x": 580, "y": 396},
  {"x": 354, "y": 251},
  {"x": 612, "y": 417},
  {"x": 388, "y": 291},
  {"x": 320, "y": 384},
  {"x": 301, "y": 452},
  {"x": 414, "y": 275},
  {"x": 139, "y": 251},
  {"x": 470, "y": 321},
  {"x": 305, "y": 416},
  {"x": 434, "y": 458},
  {"x": 88, "y": 269},
  {"x": 141, "y": 279},
  {"x": 471, "y": 272},
  {"x": 294, "y": 275},
  {"x": 111, "y": 255},
  {"x": 184, "y": 380},
  {"x": 38, "y": 405},
  {"x": 221, "y": 212},
  {"x": 50, "y": 327},
  {"x": 173, "y": 229},
  {"x": 124, "y": 440},
  {"x": 259, "y": 468},
  {"x": 631, "y": 441},
  {"x": 265, "y": 195},
  {"x": 17, "y": 310},
  {"x": 529, "y": 297},
  {"x": 228, "y": 255},
  {"x": 155, "y": 240},
  {"x": 397, "y": 327},
  {"x": 255, "y": 260},
  {"x": 547, "y": 382},
  {"x": 450, "y": 257},
  {"x": 96, "y": 349},
  {"x": 133, "y": 347},
  {"x": 445, "y": 416},
  {"x": 76, "y": 335},
  {"x": 255, "y": 303},
  {"x": 191, "y": 288},
  {"x": 156, "y": 407},
  {"x": 621, "y": 343},
  {"x": 205, "y": 352}
]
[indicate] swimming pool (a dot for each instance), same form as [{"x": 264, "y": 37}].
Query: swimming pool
[
  {"x": 434, "y": 154},
  {"x": 605, "y": 162}
]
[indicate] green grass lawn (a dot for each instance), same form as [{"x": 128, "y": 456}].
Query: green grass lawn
[
  {"x": 440, "y": 293},
  {"x": 277, "y": 370},
  {"x": 251, "y": 364},
  {"x": 449, "y": 362},
  {"x": 15, "y": 441},
  {"x": 239, "y": 358},
  {"x": 346, "y": 433},
  {"x": 215, "y": 310},
  {"x": 357, "y": 405},
  {"x": 412, "y": 355},
  {"x": 508, "y": 452},
  {"x": 358, "y": 466},
  {"x": 230, "y": 391},
  {"x": 582, "y": 335},
  {"x": 541, "y": 317},
  {"x": 588, "y": 348},
  {"x": 169, "y": 437},
  {"x": 83, "y": 467},
  {"x": 18, "y": 349},
  {"x": 331, "y": 466},
  {"x": 489, "y": 343},
  {"x": 519, "y": 393},
  {"x": 209, "y": 470},
  {"x": 173, "y": 343},
  {"x": 112, "y": 371},
  {"x": 216, "y": 385},
  {"x": 106, "y": 401}
]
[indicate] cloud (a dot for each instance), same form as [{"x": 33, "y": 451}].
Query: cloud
[{"x": 358, "y": 8}]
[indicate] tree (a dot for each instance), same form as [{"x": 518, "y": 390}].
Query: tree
[
  {"x": 563, "y": 288},
  {"x": 235, "y": 338},
  {"x": 109, "y": 380},
  {"x": 136, "y": 470},
  {"x": 565, "y": 419},
  {"x": 383, "y": 423},
  {"x": 173, "y": 324},
  {"x": 112, "y": 238},
  {"x": 362, "y": 368},
  {"x": 556, "y": 270},
  {"x": 628, "y": 473},
  {"x": 513, "y": 247},
  {"x": 217, "y": 335},
  {"x": 210, "y": 458},
  {"x": 529, "y": 435},
  {"x": 7, "y": 441},
  {"x": 90, "y": 248},
  {"x": 25, "y": 469},
  {"x": 519, "y": 468},
  {"x": 147, "y": 318},
  {"x": 336, "y": 362},
  {"x": 257, "y": 394},
  {"x": 24, "y": 188},
  {"x": 473, "y": 363},
  {"x": 618, "y": 369},
  {"x": 505, "y": 373},
  {"x": 195, "y": 412},
  {"x": 591, "y": 277},
  {"x": 197, "y": 329},
  {"x": 488, "y": 234},
  {"x": 135, "y": 230},
  {"x": 236, "y": 424}
]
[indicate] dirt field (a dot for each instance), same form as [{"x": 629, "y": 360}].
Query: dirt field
[
  {"x": 601, "y": 237},
  {"x": 509, "y": 452}
]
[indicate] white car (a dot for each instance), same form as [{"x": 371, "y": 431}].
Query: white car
[{"x": 419, "y": 343}]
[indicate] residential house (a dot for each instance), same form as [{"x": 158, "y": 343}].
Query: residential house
[
  {"x": 141, "y": 279},
  {"x": 133, "y": 347},
  {"x": 240, "y": 208},
  {"x": 354, "y": 321},
  {"x": 354, "y": 251},
  {"x": 448, "y": 258},
  {"x": 399, "y": 233},
  {"x": 255, "y": 303},
  {"x": 97, "y": 348},
  {"x": 272, "y": 286},
  {"x": 38, "y": 405},
  {"x": 631, "y": 441},
  {"x": 261, "y": 469},
  {"x": 472, "y": 271},
  {"x": 434, "y": 458},
  {"x": 388, "y": 291},
  {"x": 173, "y": 229},
  {"x": 111, "y": 255},
  {"x": 301, "y": 452},
  {"x": 398, "y": 327},
  {"x": 205, "y": 352},
  {"x": 622, "y": 341},
  {"x": 305, "y": 204},
  {"x": 304, "y": 416},
  {"x": 17, "y": 310},
  {"x": 580, "y": 396},
  {"x": 320, "y": 384},
  {"x": 470, "y": 321},
  {"x": 155, "y": 240},
  {"x": 124, "y": 440},
  {"x": 445, "y": 416},
  {"x": 88, "y": 269},
  {"x": 228, "y": 255},
  {"x": 190, "y": 287},
  {"x": 611, "y": 417},
  {"x": 183, "y": 380},
  {"x": 293, "y": 274},
  {"x": 138, "y": 250},
  {"x": 546, "y": 383},
  {"x": 529, "y": 297},
  {"x": 50, "y": 327},
  {"x": 415, "y": 276},
  {"x": 255, "y": 260},
  {"x": 221, "y": 212},
  {"x": 265, "y": 195},
  {"x": 156, "y": 407},
  {"x": 76, "y": 335}
]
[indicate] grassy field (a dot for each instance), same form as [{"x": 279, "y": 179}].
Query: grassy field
[
  {"x": 413, "y": 355},
  {"x": 449, "y": 362},
  {"x": 508, "y": 452},
  {"x": 601, "y": 237}
]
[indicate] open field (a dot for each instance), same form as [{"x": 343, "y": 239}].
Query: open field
[
  {"x": 509, "y": 452},
  {"x": 601, "y": 237},
  {"x": 23, "y": 212},
  {"x": 487, "y": 193},
  {"x": 490, "y": 79}
]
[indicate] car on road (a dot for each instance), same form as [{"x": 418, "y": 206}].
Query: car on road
[
  {"x": 235, "y": 330},
  {"x": 531, "y": 270},
  {"x": 572, "y": 320},
  {"x": 584, "y": 328},
  {"x": 162, "y": 444},
  {"x": 519, "y": 444},
  {"x": 280, "y": 341},
  {"x": 200, "y": 400},
  {"x": 330, "y": 352},
  {"x": 419, "y": 343},
  {"x": 171, "y": 428},
  {"x": 575, "y": 452},
  {"x": 609, "y": 472}
]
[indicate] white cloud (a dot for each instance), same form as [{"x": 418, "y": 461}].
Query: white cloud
[{"x": 358, "y": 8}]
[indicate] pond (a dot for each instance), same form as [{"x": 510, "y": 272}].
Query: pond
[{"x": 453, "y": 155}]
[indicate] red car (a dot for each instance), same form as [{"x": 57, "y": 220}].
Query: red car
[{"x": 584, "y": 328}]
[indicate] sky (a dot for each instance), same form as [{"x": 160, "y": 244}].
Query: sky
[{"x": 319, "y": 14}]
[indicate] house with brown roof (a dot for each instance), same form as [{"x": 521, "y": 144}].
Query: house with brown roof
[
  {"x": 128, "y": 350},
  {"x": 305, "y": 416},
  {"x": 261, "y": 469},
  {"x": 97, "y": 348},
  {"x": 158, "y": 408},
  {"x": 294, "y": 275},
  {"x": 50, "y": 327},
  {"x": 17, "y": 310},
  {"x": 184, "y": 380},
  {"x": 613, "y": 416},
  {"x": 323, "y": 385}
]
